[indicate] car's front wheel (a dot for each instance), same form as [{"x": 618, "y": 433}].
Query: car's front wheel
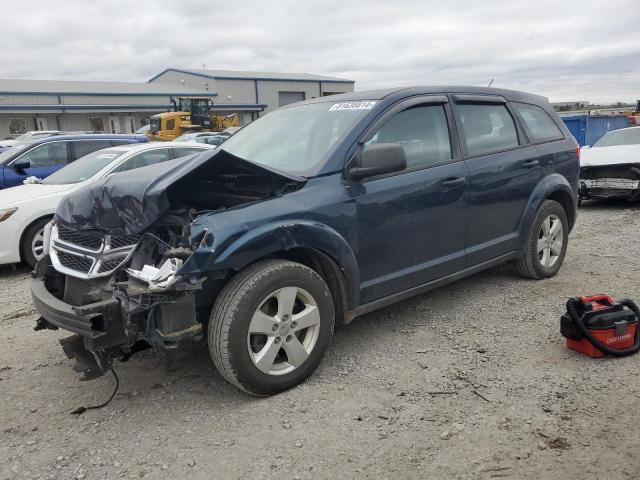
[
  {"x": 270, "y": 326},
  {"x": 546, "y": 246},
  {"x": 32, "y": 247}
]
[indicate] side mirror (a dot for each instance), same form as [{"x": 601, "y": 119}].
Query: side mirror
[
  {"x": 377, "y": 159},
  {"x": 21, "y": 165}
]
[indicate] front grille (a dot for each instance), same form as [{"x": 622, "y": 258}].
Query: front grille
[
  {"x": 79, "y": 292},
  {"x": 89, "y": 253},
  {"x": 108, "y": 265},
  {"x": 118, "y": 241},
  {"x": 74, "y": 262},
  {"x": 88, "y": 238}
]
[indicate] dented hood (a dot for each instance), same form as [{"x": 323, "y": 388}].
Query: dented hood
[{"x": 129, "y": 202}]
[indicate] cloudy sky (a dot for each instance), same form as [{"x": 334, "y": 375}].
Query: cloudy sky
[{"x": 566, "y": 50}]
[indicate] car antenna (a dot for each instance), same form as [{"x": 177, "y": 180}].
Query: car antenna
[{"x": 490, "y": 82}]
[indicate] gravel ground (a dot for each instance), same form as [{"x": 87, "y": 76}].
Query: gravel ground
[{"x": 468, "y": 381}]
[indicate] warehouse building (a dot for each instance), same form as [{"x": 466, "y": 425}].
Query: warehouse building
[
  {"x": 267, "y": 90},
  {"x": 123, "y": 107}
]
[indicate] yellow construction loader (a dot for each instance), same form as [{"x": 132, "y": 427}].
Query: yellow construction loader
[{"x": 192, "y": 114}]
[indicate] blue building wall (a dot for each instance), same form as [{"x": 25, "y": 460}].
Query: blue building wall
[{"x": 588, "y": 129}]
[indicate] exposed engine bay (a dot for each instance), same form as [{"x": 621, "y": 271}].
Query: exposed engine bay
[
  {"x": 115, "y": 251},
  {"x": 610, "y": 181}
]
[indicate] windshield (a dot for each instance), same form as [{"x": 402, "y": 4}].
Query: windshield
[
  {"x": 627, "y": 136},
  {"x": 83, "y": 168},
  {"x": 296, "y": 139},
  {"x": 7, "y": 156}
]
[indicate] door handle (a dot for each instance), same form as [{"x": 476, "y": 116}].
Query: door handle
[
  {"x": 453, "y": 182},
  {"x": 530, "y": 163}
]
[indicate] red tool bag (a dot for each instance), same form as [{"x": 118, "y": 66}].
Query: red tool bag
[{"x": 600, "y": 325}]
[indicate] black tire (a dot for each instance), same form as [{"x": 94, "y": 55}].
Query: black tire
[
  {"x": 232, "y": 313},
  {"x": 529, "y": 265},
  {"x": 25, "y": 246}
]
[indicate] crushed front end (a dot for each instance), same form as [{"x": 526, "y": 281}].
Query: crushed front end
[
  {"x": 610, "y": 181},
  {"x": 89, "y": 284},
  {"x": 132, "y": 260}
]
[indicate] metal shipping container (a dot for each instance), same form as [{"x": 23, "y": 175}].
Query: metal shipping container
[{"x": 588, "y": 129}]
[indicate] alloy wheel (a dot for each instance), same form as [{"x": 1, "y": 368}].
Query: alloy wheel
[
  {"x": 37, "y": 245},
  {"x": 550, "y": 240},
  {"x": 283, "y": 331}
]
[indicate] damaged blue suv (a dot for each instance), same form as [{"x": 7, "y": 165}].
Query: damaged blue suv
[{"x": 310, "y": 216}]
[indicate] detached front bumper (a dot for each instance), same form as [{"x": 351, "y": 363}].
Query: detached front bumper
[
  {"x": 125, "y": 319},
  {"x": 95, "y": 321}
]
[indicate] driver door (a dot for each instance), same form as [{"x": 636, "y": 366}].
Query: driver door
[
  {"x": 412, "y": 224},
  {"x": 43, "y": 160}
]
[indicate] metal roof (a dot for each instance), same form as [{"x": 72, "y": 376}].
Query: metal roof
[
  {"x": 242, "y": 75},
  {"x": 72, "y": 87}
]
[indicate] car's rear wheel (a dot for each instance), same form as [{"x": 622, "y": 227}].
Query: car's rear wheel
[
  {"x": 32, "y": 247},
  {"x": 546, "y": 246},
  {"x": 271, "y": 326}
]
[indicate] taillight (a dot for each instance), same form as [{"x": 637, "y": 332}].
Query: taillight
[{"x": 578, "y": 151}]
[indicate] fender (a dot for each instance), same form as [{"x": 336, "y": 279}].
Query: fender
[
  {"x": 547, "y": 186},
  {"x": 235, "y": 251}
]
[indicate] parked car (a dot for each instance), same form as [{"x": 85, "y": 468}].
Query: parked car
[
  {"x": 43, "y": 157},
  {"x": 210, "y": 138},
  {"x": 611, "y": 168},
  {"x": 26, "y": 209},
  {"x": 312, "y": 215},
  {"x": 28, "y": 137},
  {"x": 144, "y": 129}
]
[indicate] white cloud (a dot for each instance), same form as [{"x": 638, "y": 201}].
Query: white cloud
[{"x": 564, "y": 50}]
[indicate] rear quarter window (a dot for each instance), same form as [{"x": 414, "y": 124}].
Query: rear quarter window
[{"x": 538, "y": 125}]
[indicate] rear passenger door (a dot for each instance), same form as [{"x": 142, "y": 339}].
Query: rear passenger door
[
  {"x": 411, "y": 224},
  {"x": 503, "y": 173}
]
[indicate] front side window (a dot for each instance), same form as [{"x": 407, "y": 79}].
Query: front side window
[
  {"x": 46, "y": 155},
  {"x": 423, "y": 133},
  {"x": 539, "y": 126},
  {"x": 17, "y": 126},
  {"x": 144, "y": 159},
  {"x": 487, "y": 128}
]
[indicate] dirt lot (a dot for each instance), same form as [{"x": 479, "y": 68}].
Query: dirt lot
[{"x": 469, "y": 381}]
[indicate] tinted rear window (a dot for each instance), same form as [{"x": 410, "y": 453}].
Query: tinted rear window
[
  {"x": 539, "y": 126},
  {"x": 487, "y": 128}
]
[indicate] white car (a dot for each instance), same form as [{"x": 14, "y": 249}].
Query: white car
[
  {"x": 26, "y": 209},
  {"x": 29, "y": 137},
  {"x": 611, "y": 168}
]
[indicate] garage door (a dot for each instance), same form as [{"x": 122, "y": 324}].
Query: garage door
[{"x": 285, "y": 98}]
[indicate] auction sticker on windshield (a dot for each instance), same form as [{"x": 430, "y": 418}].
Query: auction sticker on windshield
[{"x": 366, "y": 105}]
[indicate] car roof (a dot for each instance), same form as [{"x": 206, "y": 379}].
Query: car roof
[
  {"x": 427, "y": 90},
  {"x": 89, "y": 136},
  {"x": 141, "y": 147}
]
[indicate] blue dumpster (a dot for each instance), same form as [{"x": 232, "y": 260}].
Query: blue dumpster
[{"x": 588, "y": 129}]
